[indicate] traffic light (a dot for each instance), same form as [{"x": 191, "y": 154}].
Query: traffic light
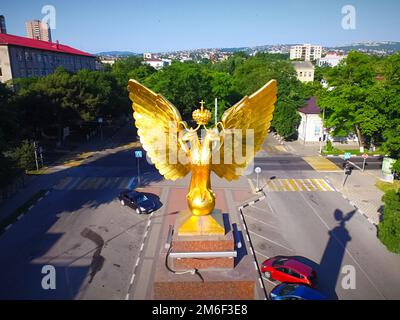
[{"x": 348, "y": 169}]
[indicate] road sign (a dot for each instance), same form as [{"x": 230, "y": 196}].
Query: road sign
[
  {"x": 347, "y": 156},
  {"x": 365, "y": 156},
  {"x": 138, "y": 154},
  {"x": 258, "y": 170}
]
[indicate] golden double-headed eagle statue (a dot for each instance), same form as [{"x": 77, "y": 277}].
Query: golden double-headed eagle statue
[{"x": 176, "y": 149}]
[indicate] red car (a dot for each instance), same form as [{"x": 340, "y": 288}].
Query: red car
[{"x": 286, "y": 269}]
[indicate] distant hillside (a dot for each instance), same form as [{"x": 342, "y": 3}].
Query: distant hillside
[
  {"x": 117, "y": 54},
  {"x": 378, "y": 47}
]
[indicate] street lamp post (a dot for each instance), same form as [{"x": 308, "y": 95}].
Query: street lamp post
[{"x": 258, "y": 171}]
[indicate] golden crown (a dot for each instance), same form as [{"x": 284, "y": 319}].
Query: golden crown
[{"x": 201, "y": 116}]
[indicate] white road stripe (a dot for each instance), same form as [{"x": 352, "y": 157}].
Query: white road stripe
[
  {"x": 132, "y": 278},
  {"x": 40, "y": 199},
  {"x": 290, "y": 185},
  {"x": 297, "y": 185},
  {"x": 260, "y": 281},
  {"x": 312, "y": 184},
  {"x": 344, "y": 247},
  {"x": 255, "y": 266},
  {"x": 127, "y": 296},
  {"x": 8, "y": 227},
  {"x": 47, "y": 193},
  {"x": 305, "y": 185},
  {"x": 137, "y": 262},
  {"x": 260, "y": 254},
  {"x": 247, "y": 237},
  {"x": 30, "y": 208},
  {"x": 141, "y": 247},
  {"x": 260, "y": 221},
  {"x": 20, "y": 216},
  {"x": 320, "y": 184},
  {"x": 278, "y": 244}
]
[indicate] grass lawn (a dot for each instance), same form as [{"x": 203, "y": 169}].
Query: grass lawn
[
  {"x": 354, "y": 152},
  {"x": 386, "y": 186}
]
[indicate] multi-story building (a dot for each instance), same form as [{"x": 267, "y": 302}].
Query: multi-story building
[
  {"x": 305, "y": 52},
  {"x": 331, "y": 60},
  {"x": 23, "y": 57},
  {"x": 304, "y": 70},
  {"x": 2, "y": 24},
  {"x": 38, "y": 30}
]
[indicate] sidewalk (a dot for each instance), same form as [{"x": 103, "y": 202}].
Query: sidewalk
[{"x": 360, "y": 187}]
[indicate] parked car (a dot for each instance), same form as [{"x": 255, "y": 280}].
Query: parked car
[
  {"x": 138, "y": 201},
  {"x": 295, "y": 291},
  {"x": 286, "y": 269}
]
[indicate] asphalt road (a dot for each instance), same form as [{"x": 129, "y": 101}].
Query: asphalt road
[
  {"x": 80, "y": 228},
  {"x": 372, "y": 163},
  {"x": 96, "y": 245},
  {"x": 321, "y": 229}
]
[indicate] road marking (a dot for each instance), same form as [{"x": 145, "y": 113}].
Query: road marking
[
  {"x": 145, "y": 234},
  {"x": 247, "y": 237},
  {"x": 30, "y": 208},
  {"x": 255, "y": 266},
  {"x": 127, "y": 296},
  {"x": 344, "y": 247},
  {"x": 322, "y": 164},
  {"x": 141, "y": 247},
  {"x": 20, "y": 216},
  {"x": 47, "y": 193},
  {"x": 259, "y": 253},
  {"x": 132, "y": 278},
  {"x": 260, "y": 281},
  {"x": 299, "y": 185},
  {"x": 8, "y": 227},
  {"x": 74, "y": 183},
  {"x": 273, "y": 283},
  {"x": 130, "y": 182},
  {"x": 260, "y": 221},
  {"x": 137, "y": 261},
  {"x": 272, "y": 241},
  {"x": 253, "y": 190}
]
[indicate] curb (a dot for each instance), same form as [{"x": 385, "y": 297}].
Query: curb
[{"x": 22, "y": 214}]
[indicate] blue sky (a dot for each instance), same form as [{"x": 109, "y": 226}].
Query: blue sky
[{"x": 140, "y": 25}]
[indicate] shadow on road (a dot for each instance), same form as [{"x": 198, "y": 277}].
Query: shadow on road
[
  {"x": 329, "y": 268},
  {"x": 25, "y": 248}
]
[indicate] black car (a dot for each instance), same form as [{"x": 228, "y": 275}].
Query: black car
[{"x": 138, "y": 201}]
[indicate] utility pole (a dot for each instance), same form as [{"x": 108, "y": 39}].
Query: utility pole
[
  {"x": 36, "y": 156},
  {"x": 216, "y": 111}
]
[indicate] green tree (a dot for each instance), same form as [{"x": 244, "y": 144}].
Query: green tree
[
  {"x": 389, "y": 228},
  {"x": 356, "y": 104},
  {"x": 24, "y": 155}
]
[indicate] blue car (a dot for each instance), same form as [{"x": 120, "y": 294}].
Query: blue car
[{"x": 295, "y": 291}]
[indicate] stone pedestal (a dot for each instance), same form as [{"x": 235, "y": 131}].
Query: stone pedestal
[{"x": 215, "y": 278}]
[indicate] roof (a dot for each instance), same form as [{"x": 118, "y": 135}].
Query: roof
[
  {"x": 311, "y": 107},
  {"x": 298, "y": 266},
  {"x": 8, "y": 39},
  {"x": 302, "y": 65}
]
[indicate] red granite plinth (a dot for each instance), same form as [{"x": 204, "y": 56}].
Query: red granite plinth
[
  {"x": 202, "y": 243},
  {"x": 216, "y": 278},
  {"x": 222, "y": 284}
]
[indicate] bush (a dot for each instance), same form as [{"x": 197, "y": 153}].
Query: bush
[
  {"x": 396, "y": 169},
  {"x": 24, "y": 156},
  {"x": 389, "y": 228}
]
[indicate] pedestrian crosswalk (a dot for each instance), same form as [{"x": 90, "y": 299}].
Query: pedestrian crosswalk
[
  {"x": 322, "y": 164},
  {"x": 296, "y": 185},
  {"x": 274, "y": 149},
  {"x": 93, "y": 183}
]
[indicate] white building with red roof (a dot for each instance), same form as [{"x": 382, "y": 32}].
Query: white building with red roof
[{"x": 22, "y": 57}]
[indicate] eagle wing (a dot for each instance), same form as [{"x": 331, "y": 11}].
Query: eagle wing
[
  {"x": 255, "y": 113},
  {"x": 159, "y": 125}
]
